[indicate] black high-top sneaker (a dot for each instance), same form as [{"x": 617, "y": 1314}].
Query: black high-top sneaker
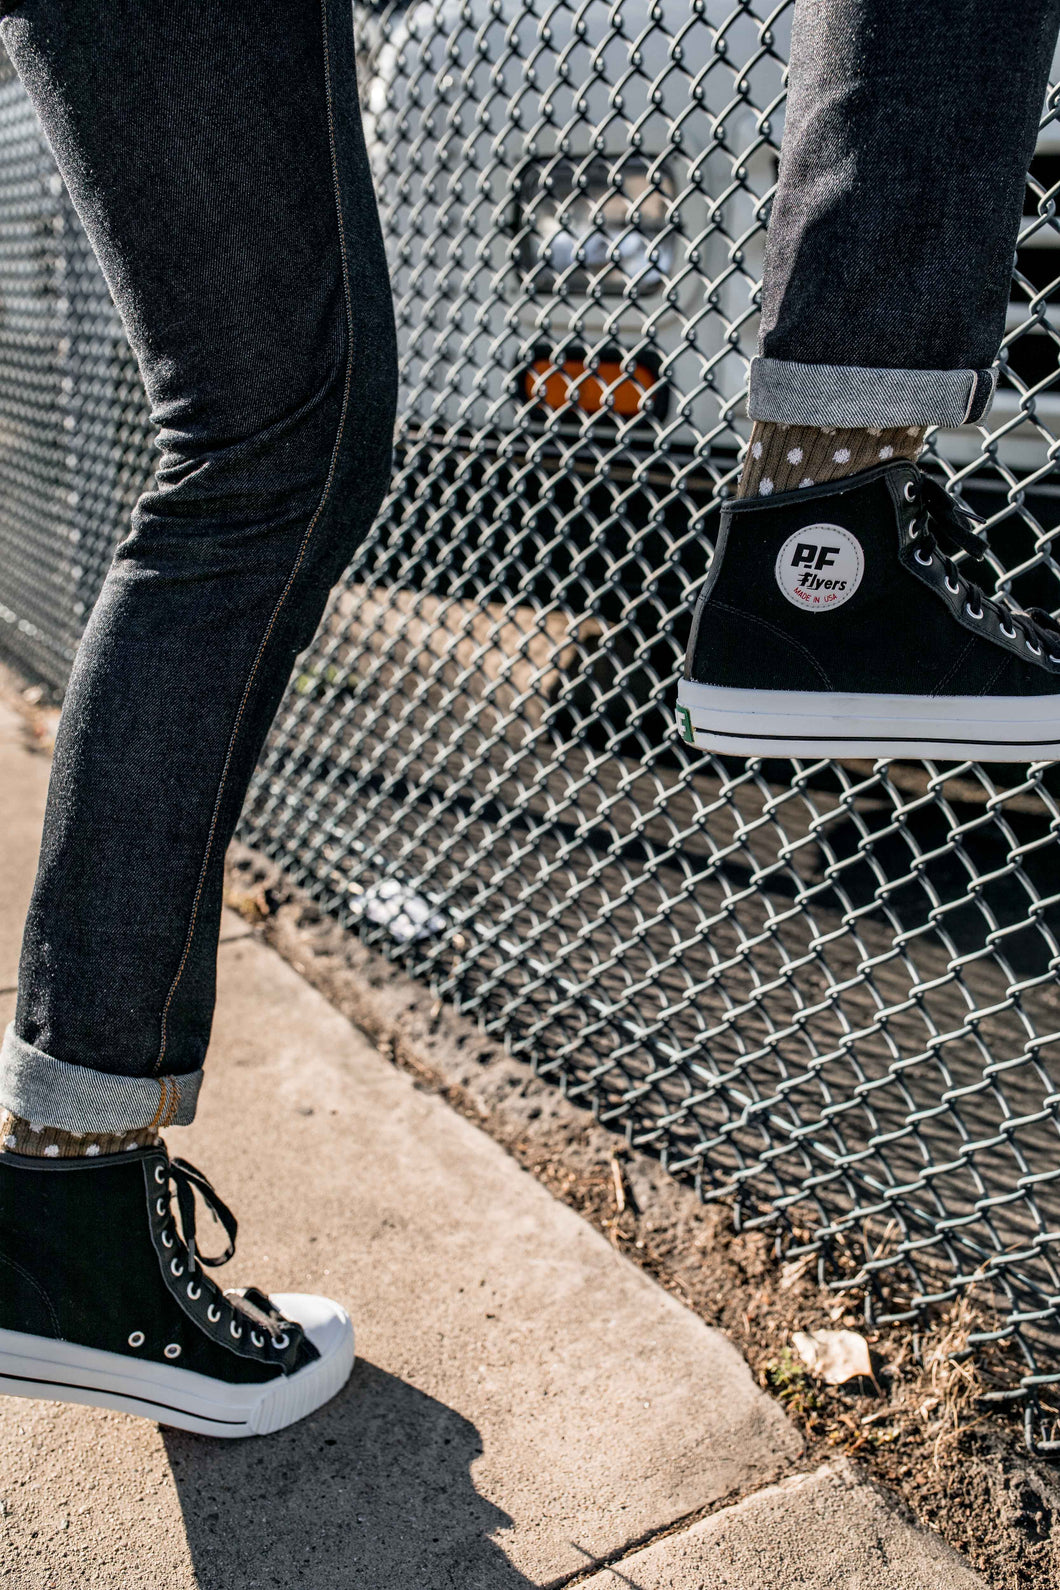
[
  {"x": 104, "y": 1300},
  {"x": 835, "y": 623}
]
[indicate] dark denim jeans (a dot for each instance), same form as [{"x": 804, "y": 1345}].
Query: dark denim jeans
[
  {"x": 214, "y": 152},
  {"x": 909, "y": 132}
]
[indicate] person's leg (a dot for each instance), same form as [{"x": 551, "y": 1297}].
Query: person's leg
[
  {"x": 891, "y": 238},
  {"x": 215, "y": 154},
  {"x": 893, "y": 230},
  {"x": 887, "y": 276}
]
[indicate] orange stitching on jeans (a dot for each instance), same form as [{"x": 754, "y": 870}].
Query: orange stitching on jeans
[
  {"x": 174, "y": 1106},
  {"x": 298, "y": 560}
]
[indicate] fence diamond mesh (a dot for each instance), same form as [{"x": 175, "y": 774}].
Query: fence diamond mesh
[{"x": 825, "y": 990}]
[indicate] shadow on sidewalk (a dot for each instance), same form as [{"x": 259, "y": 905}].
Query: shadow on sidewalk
[{"x": 371, "y": 1493}]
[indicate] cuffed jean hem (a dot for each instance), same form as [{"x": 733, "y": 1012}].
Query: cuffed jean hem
[
  {"x": 850, "y": 397},
  {"x": 50, "y": 1092}
]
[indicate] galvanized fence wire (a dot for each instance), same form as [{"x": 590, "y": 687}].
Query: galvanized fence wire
[{"x": 826, "y": 991}]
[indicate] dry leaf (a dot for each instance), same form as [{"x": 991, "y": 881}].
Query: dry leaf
[{"x": 834, "y": 1356}]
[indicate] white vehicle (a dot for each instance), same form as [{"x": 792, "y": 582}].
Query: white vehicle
[{"x": 572, "y": 201}]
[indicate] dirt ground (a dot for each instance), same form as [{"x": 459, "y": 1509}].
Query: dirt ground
[{"x": 919, "y": 1426}]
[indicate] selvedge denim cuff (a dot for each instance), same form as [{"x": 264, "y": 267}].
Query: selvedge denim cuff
[
  {"x": 77, "y": 1099},
  {"x": 851, "y": 397}
]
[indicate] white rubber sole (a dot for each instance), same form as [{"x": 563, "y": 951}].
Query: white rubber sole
[
  {"x": 809, "y": 723},
  {"x": 57, "y": 1371}
]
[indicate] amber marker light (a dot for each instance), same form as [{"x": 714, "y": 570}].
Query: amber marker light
[{"x": 572, "y": 383}]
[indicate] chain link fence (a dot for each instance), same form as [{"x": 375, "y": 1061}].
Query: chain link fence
[{"x": 826, "y": 991}]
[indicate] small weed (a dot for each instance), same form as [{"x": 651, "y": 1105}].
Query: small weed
[{"x": 788, "y": 1379}]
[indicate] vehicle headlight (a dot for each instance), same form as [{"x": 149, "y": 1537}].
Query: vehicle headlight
[{"x": 595, "y": 223}]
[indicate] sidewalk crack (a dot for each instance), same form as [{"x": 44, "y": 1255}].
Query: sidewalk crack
[{"x": 677, "y": 1526}]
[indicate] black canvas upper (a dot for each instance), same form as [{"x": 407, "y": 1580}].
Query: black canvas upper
[
  {"x": 905, "y": 631},
  {"x": 90, "y": 1253}
]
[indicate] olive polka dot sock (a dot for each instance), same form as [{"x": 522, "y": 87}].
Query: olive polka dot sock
[
  {"x": 29, "y": 1137},
  {"x": 785, "y": 457}
]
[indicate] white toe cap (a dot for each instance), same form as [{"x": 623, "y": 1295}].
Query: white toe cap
[{"x": 326, "y": 1323}]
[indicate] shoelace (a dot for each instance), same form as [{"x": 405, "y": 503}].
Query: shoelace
[
  {"x": 186, "y": 1180},
  {"x": 943, "y": 523}
]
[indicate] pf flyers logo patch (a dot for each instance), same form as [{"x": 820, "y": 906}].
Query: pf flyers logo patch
[{"x": 820, "y": 567}]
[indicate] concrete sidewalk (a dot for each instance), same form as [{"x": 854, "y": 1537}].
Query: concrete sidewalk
[{"x": 528, "y": 1407}]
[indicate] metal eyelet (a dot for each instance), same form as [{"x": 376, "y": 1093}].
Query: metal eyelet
[
  {"x": 910, "y": 491},
  {"x": 1009, "y": 634},
  {"x": 213, "y": 1314},
  {"x": 280, "y": 1342},
  {"x": 193, "y": 1291},
  {"x": 136, "y": 1339},
  {"x": 235, "y": 1330},
  {"x": 955, "y": 588},
  {"x": 257, "y": 1339},
  {"x": 160, "y": 1173},
  {"x": 172, "y": 1351},
  {"x": 167, "y": 1239},
  {"x": 1055, "y": 660},
  {"x": 1035, "y": 651},
  {"x": 175, "y": 1267},
  {"x": 925, "y": 561},
  {"x": 968, "y": 610},
  {"x": 160, "y": 1206}
]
